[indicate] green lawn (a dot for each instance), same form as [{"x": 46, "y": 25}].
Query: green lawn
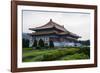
[{"x": 65, "y": 53}]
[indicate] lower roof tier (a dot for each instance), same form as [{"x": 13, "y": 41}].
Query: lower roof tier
[{"x": 53, "y": 33}]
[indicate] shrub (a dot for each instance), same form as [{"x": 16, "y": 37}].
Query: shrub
[
  {"x": 41, "y": 43},
  {"x": 35, "y": 43},
  {"x": 85, "y": 50},
  {"x": 25, "y": 43},
  {"x": 51, "y": 44},
  {"x": 38, "y": 47}
]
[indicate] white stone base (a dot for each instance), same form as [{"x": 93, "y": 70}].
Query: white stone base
[{"x": 63, "y": 44}]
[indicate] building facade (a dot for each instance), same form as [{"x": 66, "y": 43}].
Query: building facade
[{"x": 52, "y": 31}]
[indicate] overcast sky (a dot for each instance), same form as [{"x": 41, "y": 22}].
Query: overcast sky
[{"x": 78, "y": 23}]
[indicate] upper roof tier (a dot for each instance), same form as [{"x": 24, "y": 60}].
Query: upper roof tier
[{"x": 50, "y": 24}]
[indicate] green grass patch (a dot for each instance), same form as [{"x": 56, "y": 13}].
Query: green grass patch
[
  {"x": 75, "y": 57},
  {"x": 30, "y": 55}
]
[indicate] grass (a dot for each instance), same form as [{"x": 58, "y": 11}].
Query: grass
[
  {"x": 64, "y": 53},
  {"x": 75, "y": 57}
]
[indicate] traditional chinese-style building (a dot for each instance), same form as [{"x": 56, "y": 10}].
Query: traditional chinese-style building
[{"x": 55, "y": 32}]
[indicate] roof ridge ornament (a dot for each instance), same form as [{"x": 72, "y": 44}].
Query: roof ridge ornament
[{"x": 50, "y": 20}]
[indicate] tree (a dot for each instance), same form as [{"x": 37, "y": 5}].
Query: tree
[
  {"x": 51, "y": 44},
  {"x": 35, "y": 43},
  {"x": 85, "y": 42},
  {"x": 41, "y": 43},
  {"x": 25, "y": 43}
]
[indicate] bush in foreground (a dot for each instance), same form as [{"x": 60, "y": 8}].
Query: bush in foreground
[
  {"x": 75, "y": 57},
  {"x": 54, "y": 54},
  {"x": 85, "y": 50}
]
